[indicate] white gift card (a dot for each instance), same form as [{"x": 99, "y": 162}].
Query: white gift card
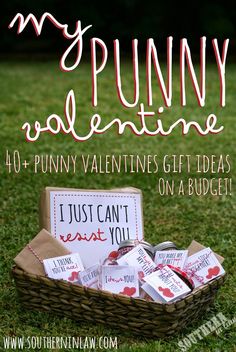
[
  {"x": 176, "y": 258},
  {"x": 66, "y": 267},
  {"x": 203, "y": 266},
  {"x": 120, "y": 279},
  {"x": 152, "y": 293},
  {"x": 167, "y": 284},
  {"x": 139, "y": 258},
  {"x": 89, "y": 277},
  {"x": 95, "y": 222}
]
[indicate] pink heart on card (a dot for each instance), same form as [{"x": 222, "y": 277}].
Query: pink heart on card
[
  {"x": 166, "y": 292},
  {"x": 74, "y": 276},
  {"x": 128, "y": 291},
  {"x": 213, "y": 272}
]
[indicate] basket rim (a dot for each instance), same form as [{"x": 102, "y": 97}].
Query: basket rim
[{"x": 78, "y": 288}]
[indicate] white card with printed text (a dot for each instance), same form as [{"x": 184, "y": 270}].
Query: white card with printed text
[
  {"x": 66, "y": 267},
  {"x": 167, "y": 284},
  {"x": 89, "y": 277},
  {"x": 176, "y": 258},
  {"x": 120, "y": 279},
  {"x": 95, "y": 222},
  {"x": 139, "y": 258},
  {"x": 203, "y": 267}
]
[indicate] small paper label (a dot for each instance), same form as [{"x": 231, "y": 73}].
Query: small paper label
[
  {"x": 167, "y": 284},
  {"x": 120, "y": 279},
  {"x": 139, "y": 258},
  {"x": 177, "y": 258},
  {"x": 89, "y": 277},
  {"x": 65, "y": 267},
  {"x": 203, "y": 267}
]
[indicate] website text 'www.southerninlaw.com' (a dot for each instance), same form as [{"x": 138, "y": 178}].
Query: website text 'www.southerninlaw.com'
[{"x": 59, "y": 342}]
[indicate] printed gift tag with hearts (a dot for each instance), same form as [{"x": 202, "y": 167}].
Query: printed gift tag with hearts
[
  {"x": 176, "y": 258},
  {"x": 120, "y": 279},
  {"x": 152, "y": 293},
  {"x": 89, "y": 277},
  {"x": 203, "y": 267},
  {"x": 167, "y": 284},
  {"x": 66, "y": 267},
  {"x": 138, "y": 258}
]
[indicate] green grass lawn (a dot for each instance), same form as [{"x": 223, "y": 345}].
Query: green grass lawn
[{"x": 31, "y": 91}]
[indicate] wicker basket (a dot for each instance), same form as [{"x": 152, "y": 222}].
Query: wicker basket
[{"x": 141, "y": 317}]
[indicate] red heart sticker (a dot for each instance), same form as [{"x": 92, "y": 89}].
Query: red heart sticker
[
  {"x": 213, "y": 272},
  {"x": 113, "y": 255},
  {"x": 128, "y": 291},
  {"x": 74, "y": 276},
  {"x": 166, "y": 292}
]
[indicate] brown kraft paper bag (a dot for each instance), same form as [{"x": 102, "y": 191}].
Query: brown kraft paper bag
[
  {"x": 43, "y": 246},
  {"x": 195, "y": 247}
]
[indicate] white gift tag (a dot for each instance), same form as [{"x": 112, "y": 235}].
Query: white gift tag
[
  {"x": 152, "y": 293},
  {"x": 120, "y": 279},
  {"x": 139, "y": 258},
  {"x": 203, "y": 266},
  {"x": 66, "y": 267},
  {"x": 167, "y": 284},
  {"x": 89, "y": 276},
  {"x": 175, "y": 258}
]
